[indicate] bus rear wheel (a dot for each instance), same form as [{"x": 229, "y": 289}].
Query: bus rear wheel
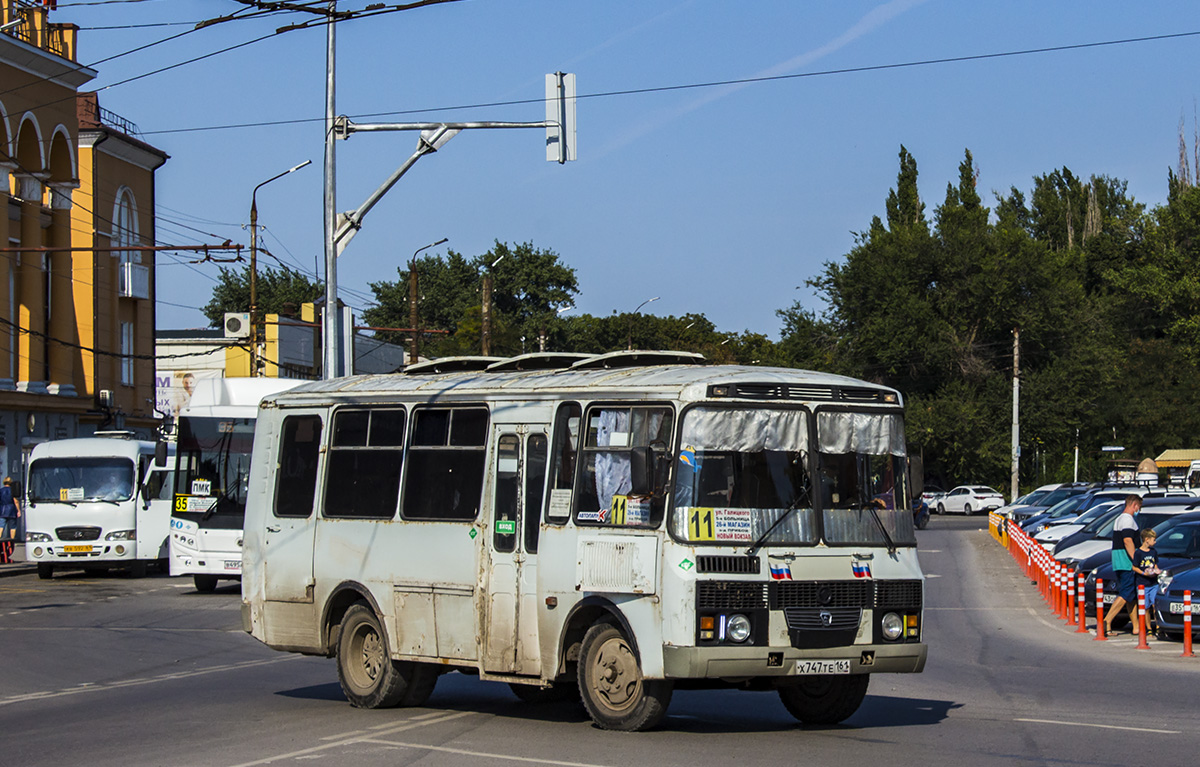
[
  {"x": 611, "y": 684},
  {"x": 368, "y": 675},
  {"x": 205, "y": 584},
  {"x": 825, "y": 699}
]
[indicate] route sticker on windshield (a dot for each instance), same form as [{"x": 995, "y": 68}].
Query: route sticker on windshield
[
  {"x": 706, "y": 524},
  {"x": 70, "y": 494},
  {"x": 201, "y": 487},
  {"x": 193, "y": 504}
]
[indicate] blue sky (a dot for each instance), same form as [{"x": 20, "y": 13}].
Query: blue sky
[{"x": 719, "y": 200}]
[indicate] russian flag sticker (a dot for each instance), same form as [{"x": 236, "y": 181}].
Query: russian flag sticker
[
  {"x": 781, "y": 572},
  {"x": 861, "y": 569}
]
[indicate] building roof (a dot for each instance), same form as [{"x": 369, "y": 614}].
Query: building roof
[{"x": 1176, "y": 458}]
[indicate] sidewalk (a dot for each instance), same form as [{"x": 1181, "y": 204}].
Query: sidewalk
[{"x": 19, "y": 565}]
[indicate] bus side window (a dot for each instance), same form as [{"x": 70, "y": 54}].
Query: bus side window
[
  {"x": 363, "y": 475},
  {"x": 446, "y": 462},
  {"x": 563, "y": 459},
  {"x": 298, "y": 454},
  {"x": 535, "y": 486},
  {"x": 508, "y": 478},
  {"x": 605, "y": 485}
]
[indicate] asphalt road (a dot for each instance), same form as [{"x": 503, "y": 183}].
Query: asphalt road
[{"x": 108, "y": 670}]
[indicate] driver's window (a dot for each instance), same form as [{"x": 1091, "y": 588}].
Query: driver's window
[{"x": 606, "y": 481}]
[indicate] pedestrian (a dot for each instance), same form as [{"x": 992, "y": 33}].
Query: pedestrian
[
  {"x": 1123, "y": 550},
  {"x": 1145, "y": 569},
  {"x": 10, "y": 513}
]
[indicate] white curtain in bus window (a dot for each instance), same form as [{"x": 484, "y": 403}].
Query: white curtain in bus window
[
  {"x": 863, "y": 478},
  {"x": 607, "y": 480},
  {"x": 738, "y": 472}
]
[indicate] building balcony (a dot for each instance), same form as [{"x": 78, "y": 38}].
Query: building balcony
[
  {"x": 58, "y": 39},
  {"x": 134, "y": 281}
]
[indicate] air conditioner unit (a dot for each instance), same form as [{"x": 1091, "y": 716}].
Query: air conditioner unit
[{"x": 237, "y": 324}]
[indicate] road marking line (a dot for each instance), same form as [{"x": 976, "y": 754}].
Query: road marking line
[
  {"x": 430, "y": 715},
  {"x": 482, "y": 754},
  {"x": 1101, "y": 726},
  {"x": 139, "y": 682},
  {"x": 408, "y": 725},
  {"x": 345, "y": 735}
]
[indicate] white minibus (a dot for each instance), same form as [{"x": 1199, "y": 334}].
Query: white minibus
[
  {"x": 610, "y": 526},
  {"x": 214, "y": 436},
  {"x": 96, "y": 503}
]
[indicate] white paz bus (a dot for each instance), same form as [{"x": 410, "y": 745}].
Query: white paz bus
[
  {"x": 96, "y": 503},
  {"x": 610, "y": 526},
  {"x": 214, "y": 437}
]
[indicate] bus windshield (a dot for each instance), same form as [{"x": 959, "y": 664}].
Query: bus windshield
[
  {"x": 81, "y": 479},
  {"x": 214, "y": 463},
  {"x": 863, "y": 477}
]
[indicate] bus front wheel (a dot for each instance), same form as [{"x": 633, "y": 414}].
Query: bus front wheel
[
  {"x": 205, "y": 584},
  {"x": 611, "y": 684},
  {"x": 45, "y": 572},
  {"x": 368, "y": 675},
  {"x": 825, "y": 699}
]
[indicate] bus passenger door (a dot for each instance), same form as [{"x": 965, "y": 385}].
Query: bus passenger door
[
  {"x": 510, "y": 643},
  {"x": 291, "y": 519}
]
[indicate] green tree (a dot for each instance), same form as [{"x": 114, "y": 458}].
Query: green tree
[{"x": 278, "y": 292}]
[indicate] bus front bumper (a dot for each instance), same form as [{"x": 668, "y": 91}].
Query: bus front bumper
[{"x": 746, "y": 662}]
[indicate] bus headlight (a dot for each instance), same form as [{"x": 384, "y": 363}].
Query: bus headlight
[
  {"x": 738, "y": 628},
  {"x": 37, "y": 538},
  {"x": 120, "y": 535},
  {"x": 893, "y": 626}
]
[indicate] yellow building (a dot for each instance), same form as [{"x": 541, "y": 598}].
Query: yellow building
[{"x": 76, "y": 305}]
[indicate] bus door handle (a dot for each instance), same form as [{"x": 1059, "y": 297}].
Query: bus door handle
[{"x": 273, "y": 528}]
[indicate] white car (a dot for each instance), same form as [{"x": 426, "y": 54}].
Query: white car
[{"x": 968, "y": 499}]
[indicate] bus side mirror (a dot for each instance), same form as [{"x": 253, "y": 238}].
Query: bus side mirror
[
  {"x": 641, "y": 471},
  {"x": 160, "y": 454}
]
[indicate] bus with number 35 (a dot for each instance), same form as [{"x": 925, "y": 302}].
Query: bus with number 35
[{"x": 608, "y": 527}]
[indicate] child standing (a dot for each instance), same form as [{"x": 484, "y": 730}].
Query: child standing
[{"x": 1145, "y": 570}]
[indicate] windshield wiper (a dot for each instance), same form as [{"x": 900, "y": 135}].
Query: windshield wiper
[
  {"x": 891, "y": 545},
  {"x": 786, "y": 513}
]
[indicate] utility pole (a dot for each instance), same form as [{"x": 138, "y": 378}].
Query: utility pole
[
  {"x": 414, "y": 317},
  {"x": 330, "y": 322},
  {"x": 485, "y": 316},
  {"x": 1016, "y": 412}
]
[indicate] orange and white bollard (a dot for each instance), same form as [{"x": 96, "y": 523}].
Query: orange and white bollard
[
  {"x": 1187, "y": 624},
  {"x": 1140, "y": 622},
  {"x": 1068, "y": 602},
  {"x": 1100, "y": 637},
  {"x": 1082, "y": 604}
]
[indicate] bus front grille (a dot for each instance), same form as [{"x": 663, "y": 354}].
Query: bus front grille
[
  {"x": 78, "y": 533},
  {"x": 898, "y": 595},
  {"x": 823, "y": 619},
  {"x": 824, "y": 594},
  {"x": 730, "y": 595}
]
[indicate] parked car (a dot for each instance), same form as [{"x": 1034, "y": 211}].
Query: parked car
[
  {"x": 1052, "y": 534},
  {"x": 1029, "y": 499},
  {"x": 968, "y": 499},
  {"x": 1168, "y": 604},
  {"x": 1065, "y": 510},
  {"x": 931, "y": 493},
  {"x": 1059, "y": 494},
  {"x": 1066, "y": 549}
]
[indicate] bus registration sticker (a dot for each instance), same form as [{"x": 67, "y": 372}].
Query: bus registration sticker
[
  {"x": 193, "y": 504},
  {"x": 706, "y": 524},
  {"x": 70, "y": 494},
  {"x": 201, "y": 487},
  {"x": 805, "y": 667}
]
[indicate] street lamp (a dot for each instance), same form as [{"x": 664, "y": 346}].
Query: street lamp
[
  {"x": 254, "y": 371},
  {"x": 485, "y": 311},
  {"x": 413, "y": 316},
  {"x": 629, "y": 345}
]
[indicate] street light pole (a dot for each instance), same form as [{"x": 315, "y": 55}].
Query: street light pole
[
  {"x": 485, "y": 311},
  {"x": 629, "y": 345},
  {"x": 413, "y": 316},
  {"x": 254, "y": 371}
]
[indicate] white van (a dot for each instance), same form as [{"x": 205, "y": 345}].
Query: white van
[{"x": 96, "y": 503}]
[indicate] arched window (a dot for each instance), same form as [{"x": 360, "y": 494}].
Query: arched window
[{"x": 125, "y": 227}]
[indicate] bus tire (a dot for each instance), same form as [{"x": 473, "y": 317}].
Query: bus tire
[
  {"x": 555, "y": 693},
  {"x": 45, "y": 572},
  {"x": 611, "y": 684},
  {"x": 205, "y": 584},
  {"x": 368, "y": 675},
  {"x": 137, "y": 569},
  {"x": 825, "y": 699}
]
